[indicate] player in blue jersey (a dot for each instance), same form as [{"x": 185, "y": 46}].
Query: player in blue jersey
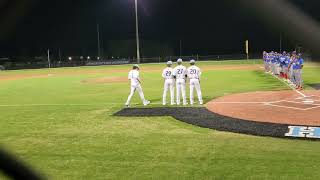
[
  {"x": 277, "y": 64},
  {"x": 273, "y": 63},
  {"x": 286, "y": 66},
  {"x": 268, "y": 62},
  {"x": 282, "y": 60},
  {"x": 265, "y": 61},
  {"x": 293, "y": 59},
  {"x": 297, "y": 66}
]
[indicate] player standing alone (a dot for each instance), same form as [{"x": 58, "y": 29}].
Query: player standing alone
[
  {"x": 135, "y": 85},
  {"x": 194, "y": 74},
  {"x": 180, "y": 73},
  {"x": 167, "y": 74}
]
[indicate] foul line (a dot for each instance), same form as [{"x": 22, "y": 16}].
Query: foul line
[
  {"x": 288, "y": 107},
  {"x": 231, "y": 102},
  {"x": 101, "y": 104},
  {"x": 26, "y": 105},
  {"x": 303, "y": 95},
  {"x": 301, "y": 103}
]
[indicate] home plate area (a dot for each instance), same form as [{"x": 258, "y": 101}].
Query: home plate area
[
  {"x": 271, "y": 113},
  {"x": 282, "y": 107},
  {"x": 306, "y": 103},
  {"x": 300, "y": 113}
]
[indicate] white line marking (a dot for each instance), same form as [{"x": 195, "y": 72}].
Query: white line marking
[
  {"x": 286, "y": 107},
  {"x": 271, "y": 103},
  {"x": 102, "y": 104},
  {"x": 308, "y": 101},
  {"x": 303, "y": 103},
  {"x": 238, "y": 102},
  {"x": 312, "y": 107},
  {"x": 303, "y": 95},
  {"x": 231, "y": 102},
  {"x": 26, "y": 105},
  {"x": 295, "y": 102}
]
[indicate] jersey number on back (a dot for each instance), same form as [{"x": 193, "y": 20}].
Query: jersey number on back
[
  {"x": 168, "y": 73},
  {"x": 180, "y": 71},
  {"x": 193, "y": 71}
]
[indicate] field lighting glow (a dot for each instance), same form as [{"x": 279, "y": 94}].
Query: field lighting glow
[{"x": 286, "y": 17}]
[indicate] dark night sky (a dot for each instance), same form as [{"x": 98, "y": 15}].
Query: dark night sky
[{"x": 205, "y": 27}]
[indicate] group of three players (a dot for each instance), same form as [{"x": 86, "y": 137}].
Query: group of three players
[
  {"x": 285, "y": 65},
  {"x": 172, "y": 77}
]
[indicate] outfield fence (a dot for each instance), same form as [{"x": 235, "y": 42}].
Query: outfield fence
[{"x": 33, "y": 63}]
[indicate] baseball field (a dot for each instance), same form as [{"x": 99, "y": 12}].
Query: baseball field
[{"x": 61, "y": 123}]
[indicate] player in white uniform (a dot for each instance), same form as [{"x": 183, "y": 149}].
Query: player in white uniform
[
  {"x": 194, "y": 74},
  {"x": 135, "y": 85},
  {"x": 180, "y": 73},
  {"x": 167, "y": 74}
]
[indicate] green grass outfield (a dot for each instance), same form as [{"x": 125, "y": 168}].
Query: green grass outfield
[{"x": 62, "y": 125}]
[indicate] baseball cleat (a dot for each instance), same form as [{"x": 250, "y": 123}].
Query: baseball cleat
[
  {"x": 146, "y": 103},
  {"x": 127, "y": 105}
]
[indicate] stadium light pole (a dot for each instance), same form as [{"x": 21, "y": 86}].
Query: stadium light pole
[
  {"x": 280, "y": 43},
  {"x": 137, "y": 32},
  {"x": 49, "y": 63}
]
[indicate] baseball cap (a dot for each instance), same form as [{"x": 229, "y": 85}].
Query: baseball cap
[
  {"x": 136, "y": 65},
  {"x": 169, "y": 63},
  {"x": 179, "y": 60},
  {"x": 192, "y": 61}
]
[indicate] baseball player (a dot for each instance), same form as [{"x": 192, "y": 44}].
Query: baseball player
[
  {"x": 194, "y": 74},
  {"x": 282, "y": 59},
  {"x": 136, "y": 85},
  {"x": 180, "y": 74},
  {"x": 167, "y": 74},
  {"x": 286, "y": 67},
  {"x": 290, "y": 68},
  {"x": 297, "y": 71},
  {"x": 265, "y": 60},
  {"x": 277, "y": 64},
  {"x": 273, "y": 63},
  {"x": 268, "y": 62}
]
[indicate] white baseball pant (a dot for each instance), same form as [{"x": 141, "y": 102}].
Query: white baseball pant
[
  {"x": 168, "y": 85},
  {"x": 181, "y": 90},
  {"x": 297, "y": 77},
  {"x": 195, "y": 84},
  {"x": 133, "y": 89}
]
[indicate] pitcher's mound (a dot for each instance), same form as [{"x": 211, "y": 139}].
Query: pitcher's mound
[{"x": 281, "y": 107}]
